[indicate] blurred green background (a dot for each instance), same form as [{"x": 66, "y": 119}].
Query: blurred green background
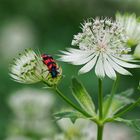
[{"x": 49, "y": 25}]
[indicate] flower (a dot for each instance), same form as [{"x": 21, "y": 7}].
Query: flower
[
  {"x": 101, "y": 44},
  {"x": 85, "y": 130},
  {"x": 29, "y": 68},
  {"x": 31, "y": 110},
  {"x": 31, "y": 103},
  {"x": 73, "y": 131},
  {"x": 111, "y": 132},
  {"x": 132, "y": 27}
]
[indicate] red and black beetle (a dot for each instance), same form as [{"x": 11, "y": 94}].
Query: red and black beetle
[{"x": 51, "y": 64}]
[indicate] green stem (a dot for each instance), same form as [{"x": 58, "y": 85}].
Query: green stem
[
  {"x": 113, "y": 91},
  {"x": 71, "y": 103},
  {"x": 100, "y": 105},
  {"x": 100, "y": 132},
  {"x": 128, "y": 109},
  {"x": 100, "y": 99}
]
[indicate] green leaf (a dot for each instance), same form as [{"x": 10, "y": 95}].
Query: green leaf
[
  {"x": 119, "y": 101},
  {"x": 72, "y": 115},
  {"x": 82, "y": 97},
  {"x": 135, "y": 124}
]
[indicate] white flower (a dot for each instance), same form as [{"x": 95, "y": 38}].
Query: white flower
[
  {"x": 31, "y": 109},
  {"x": 111, "y": 132},
  {"x": 67, "y": 126},
  {"x": 85, "y": 130},
  {"x": 72, "y": 131},
  {"x": 31, "y": 103},
  {"x": 29, "y": 68},
  {"x": 101, "y": 45},
  {"x": 131, "y": 26}
]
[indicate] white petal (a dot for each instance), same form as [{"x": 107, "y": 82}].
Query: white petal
[
  {"x": 88, "y": 66},
  {"x": 123, "y": 63},
  {"x": 77, "y": 57},
  {"x": 99, "y": 70},
  {"x": 118, "y": 68},
  {"x": 14, "y": 76},
  {"x": 78, "y": 51},
  {"x": 83, "y": 60},
  {"x": 109, "y": 70},
  {"x": 127, "y": 58}
]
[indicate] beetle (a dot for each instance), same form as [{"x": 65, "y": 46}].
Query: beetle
[{"x": 51, "y": 64}]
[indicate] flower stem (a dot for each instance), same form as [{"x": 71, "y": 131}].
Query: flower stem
[
  {"x": 113, "y": 91},
  {"x": 71, "y": 103},
  {"x": 100, "y": 99},
  {"x": 100, "y": 105},
  {"x": 100, "y": 132},
  {"x": 128, "y": 109}
]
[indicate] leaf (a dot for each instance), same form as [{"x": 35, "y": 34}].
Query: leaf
[
  {"x": 72, "y": 115},
  {"x": 82, "y": 97},
  {"x": 119, "y": 101},
  {"x": 135, "y": 124}
]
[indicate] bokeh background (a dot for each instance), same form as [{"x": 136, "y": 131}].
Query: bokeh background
[{"x": 48, "y": 25}]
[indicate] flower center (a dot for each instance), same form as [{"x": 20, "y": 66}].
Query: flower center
[{"x": 101, "y": 47}]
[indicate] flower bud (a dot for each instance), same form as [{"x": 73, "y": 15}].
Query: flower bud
[{"x": 29, "y": 68}]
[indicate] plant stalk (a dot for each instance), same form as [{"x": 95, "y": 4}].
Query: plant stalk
[
  {"x": 113, "y": 91},
  {"x": 71, "y": 103},
  {"x": 100, "y": 132},
  {"x": 100, "y": 106},
  {"x": 100, "y": 99}
]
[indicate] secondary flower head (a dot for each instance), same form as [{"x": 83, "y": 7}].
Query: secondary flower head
[
  {"x": 101, "y": 44},
  {"x": 132, "y": 27},
  {"x": 29, "y": 68}
]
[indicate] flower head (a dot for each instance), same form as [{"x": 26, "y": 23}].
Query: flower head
[
  {"x": 31, "y": 104},
  {"x": 31, "y": 113},
  {"x": 87, "y": 131},
  {"x": 101, "y": 44},
  {"x": 132, "y": 27},
  {"x": 29, "y": 68}
]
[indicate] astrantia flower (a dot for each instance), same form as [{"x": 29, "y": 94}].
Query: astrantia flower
[
  {"x": 31, "y": 109},
  {"x": 132, "y": 27},
  {"x": 101, "y": 44},
  {"x": 29, "y": 68}
]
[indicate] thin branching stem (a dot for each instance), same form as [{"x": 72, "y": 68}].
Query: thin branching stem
[
  {"x": 113, "y": 91},
  {"x": 71, "y": 103},
  {"x": 128, "y": 109}
]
